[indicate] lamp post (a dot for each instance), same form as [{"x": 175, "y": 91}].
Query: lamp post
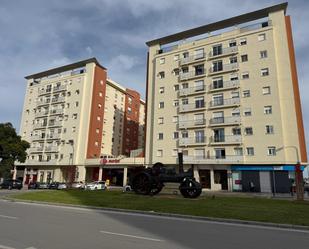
[{"x": 298, "y": 173}]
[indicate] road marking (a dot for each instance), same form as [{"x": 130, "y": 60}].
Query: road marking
[
  {"x": 30, "y": 247},
  {"x": 131, "y": 236},
  {"x": 5, "y": 247},
  {"x": 8, "y": 217}
]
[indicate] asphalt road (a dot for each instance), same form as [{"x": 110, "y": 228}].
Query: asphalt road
[{"x": 33, "y": 226}]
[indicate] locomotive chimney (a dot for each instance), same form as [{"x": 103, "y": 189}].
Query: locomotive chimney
[{"x": 180, "y": 162}]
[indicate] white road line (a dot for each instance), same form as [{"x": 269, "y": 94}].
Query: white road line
[
  {"x": 131, "y": 236},
  {"x": 5, "y": 247},
  {"x": 8, "y": 217}
]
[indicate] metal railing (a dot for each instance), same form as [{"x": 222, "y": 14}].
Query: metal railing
[
  {"x": 56, "y": 111},
  {"x": 53, "y": 136},
  {"x": 56, "y": 123},
  {"x": 51, "y": 148},
  {"x": 36, "y": 149},
  {"x": 191, "y": 74},
  {"x": 192, "y": 141},
  {"x": 192, "y": 107},
  {"x": 43, "y": 102},
  {"x": 225, "y": 139},
  {"x": 40, "y": 125},
  {"x": 224, "y": 102},
  {"x": 213, "y": 159},
  {"x": 192, "y": 90},
  {"x": 44, "y": 91},
  {"x": 40, "y": 114},
  {"x": 60, "y": 88},
  {"x": 191, "y": 123},
  {"x": 224, "y": 85},
  {"x": 58, "y": 99},
  {"x": 192, "y": 58},
  {"x": 223, "y": 51},
  {"x": 224, "y": 120},
  {"x": 224, "y": 68}
]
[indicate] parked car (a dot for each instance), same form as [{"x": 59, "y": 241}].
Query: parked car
[
  {"x": 53, "y": 185},
  {"x": 32, "y": 185},
  {"x": 11, "y": 184},
  {"x": 62, "y": 185},
  {"x": 78, "y": 185},
  {"x": 96, "y": 185},
  {"x": 42, "y": 185}
]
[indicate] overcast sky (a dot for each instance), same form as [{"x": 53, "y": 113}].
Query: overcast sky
[{"x": 37, "y": 35}]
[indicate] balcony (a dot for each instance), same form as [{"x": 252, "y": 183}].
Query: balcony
[
  {"x": 36, "y": 149},
  {"x": 51, "y": 149},
  {"x": 40, "y": 126},
  {"x": 192, "y": 90},
  {"x": 224, "y": 85},
  {"x": 192, "y": 141},
  {"x": 232, "y": 139},
  {"x": 44, "y": 91},
  {"x": 56, "y": 112},
  {"x": 56, "y": 123},
  {"x": 192, "y": 74},
  {"x": 58, "y": 100},
  {"x": 192, "y": 59},
  {"x": 184, "y": 124},
  {"x": 221, "y": 103},
  {"x": 41, "y": 114},
  {"x": 43, "y": 102},
  {"x": 213, "y": 159},
  {"x": 223, "y": 52},
  {"x": 59, "y": 88},
  {"x": 192, "y": 107},
  {"x": 53, "y": 136},
  {"x": 224, "y": 68},
  {"x": 221, "y": 121},
  {"x": 37, "y": 137},
  {"x": 42, "y": 162}
]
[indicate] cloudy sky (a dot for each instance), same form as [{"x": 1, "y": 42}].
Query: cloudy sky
[{"x": 36, "y": 35}]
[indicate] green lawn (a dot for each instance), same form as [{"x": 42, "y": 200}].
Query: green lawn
[{"x": 256, "y": 209}]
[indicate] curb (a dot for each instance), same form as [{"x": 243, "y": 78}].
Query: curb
[{"x": 153, "y": 213}]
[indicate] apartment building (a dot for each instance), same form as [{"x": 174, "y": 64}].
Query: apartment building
[
  {"x": 226, "y": 95},
  {"x": 72, "y": 114}
]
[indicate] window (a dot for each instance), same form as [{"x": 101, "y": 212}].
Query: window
[
  {"x": 264, "y": 72},
  {"x": 159, "y": 153},
  {"x": 217, "y": 100},
  {"x": 199, "y": 85},
  {"x": 176, "y": 57},
  {"x": 73, "y": 129},
  {"x": 77, "y": 92},
  {"x": 100, "y": 94},
  {"x": 217, "y": 66},
  {"x": 232, "y": 43},
  {"x": 217, "y": 83},
  {"x": 176, "y": 87},
  {"x": 175, "y": 152},
  {"x": 184, "y": 134},
  {"x": 236, "y": 131},
  {"x": 248, "y": 131},
  {"x": 74, "y": 116},
  {"x": 267, "y": 109},
  {"x": 233, "y": 59},
  {"x": 161, "y": 75},
  {"x": 269, "y": 129},
  {"x": 199, "y": 53},
  {"x": 199, "y": 102},
  {"x": 99, "y": 118},
  {"x": 185, "y": 55},
  {"x": 236, "y": 113},
  {"x": 247, "y": 112},
  {"x": 97, "y": 130},
  {"x": 175, "y": 135},
  {"x": 266, "y": 90},
  {"x": 271, "y": 151},
  {"x": 161, "y": 105},
  {"x": 261, "y": 37},
  {"x": 161, "y": 90},
  {"x": 160, "y": 136},
  {"x": 238, "y": 151},
  {"x": 185, "y": 101},
  {"x": 199, "y": 136},
  {"x": 246, "y": 93},
  {"x": 76, "y": 104},
  {"x": 243, "y": 41},
  {"x": 162, "y": 60},
  {"x": 176, "y": 71},
  {"x": 199, "y": 69},
  {"x": 263, "y": 54},
  {"x": 250, "y": 151},
  {"x": 185, "y": 85},
  {"x": 235, "y": 94},
  {"x": 175, "y": 119},
  {"x": 244, "y": 58},
  {"x": 160, "y": 120},
  {"x": 245, "y": 75},
  {"x": 176, "y": 102},
  {"x": 216, "y": 50}
]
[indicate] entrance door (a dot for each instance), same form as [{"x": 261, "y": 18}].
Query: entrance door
[
  {"x": 205, "y": 178},
  {"x": 265, "y": 181},
  {"x": 221, "y": 178}
]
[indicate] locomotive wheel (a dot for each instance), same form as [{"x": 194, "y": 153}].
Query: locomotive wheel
[
  {"x": 142, "y": 184},
  {"x": 156, "y": 190},
  {"x": 190, "y": 188}
]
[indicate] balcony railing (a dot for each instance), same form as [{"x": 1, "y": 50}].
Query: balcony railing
[
  {"x": 192, "y": 74},
  {"x": 43, "y": 102},
  {"x": 192, "y": 107},
  {"x": 59, "y": 88},
  {"x": 44, "y": 91},
  {"x": 213, "y": 159},
  {"x": 224, "y": 121},
  {"x": 192, "y": 90},
  {"x": 224, "y": 85},
  {"x": 56, "y": 111},
  {"x": 224, "y": 102},
  {"x": 41, "y": 162},
  {"x": 39, "y": 126},
  {"x": 36, "y": 149},
  {"x": 37, "y": 137},
  {"x": 191, "y": 123},
  {"x": 51, "y": 148},
  {"x": 56, "y": 123},
  {"x": 231, "y": 139},
  {"x": 192, "y": 141},
  {"x": 41, "y": 114},
  {"x": 192, "y": 58},
  {"x": 223, "y": 52},
  {"x": 224, "y": 68},
  {"x": 53, "y": 136},
  {"x": 58, "y": 99}
]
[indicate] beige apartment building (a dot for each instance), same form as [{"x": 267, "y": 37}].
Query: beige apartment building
[
  {"x": 226, "y": 96},
  {"x": 78, "y": 121}
]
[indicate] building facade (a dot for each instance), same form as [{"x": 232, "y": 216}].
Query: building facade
[
  {"x": 72, "y": 114},
  {"x": 226, "y": 96}
]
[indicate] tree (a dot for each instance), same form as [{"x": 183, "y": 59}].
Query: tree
[{"x": 12, "y": 149}]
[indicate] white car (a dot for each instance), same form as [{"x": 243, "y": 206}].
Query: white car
[
  {"x": 96, "y": 185},
  {"x": 78, "y": 185},
  {"x": 62, "y": 185}
]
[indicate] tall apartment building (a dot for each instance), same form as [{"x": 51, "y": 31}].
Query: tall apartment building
[
  {"x": 226, "y": 95},
  {"x": 74, "y": 113}
]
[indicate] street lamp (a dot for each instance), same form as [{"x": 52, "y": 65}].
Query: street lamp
[{"x": 298, "y": 173}]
